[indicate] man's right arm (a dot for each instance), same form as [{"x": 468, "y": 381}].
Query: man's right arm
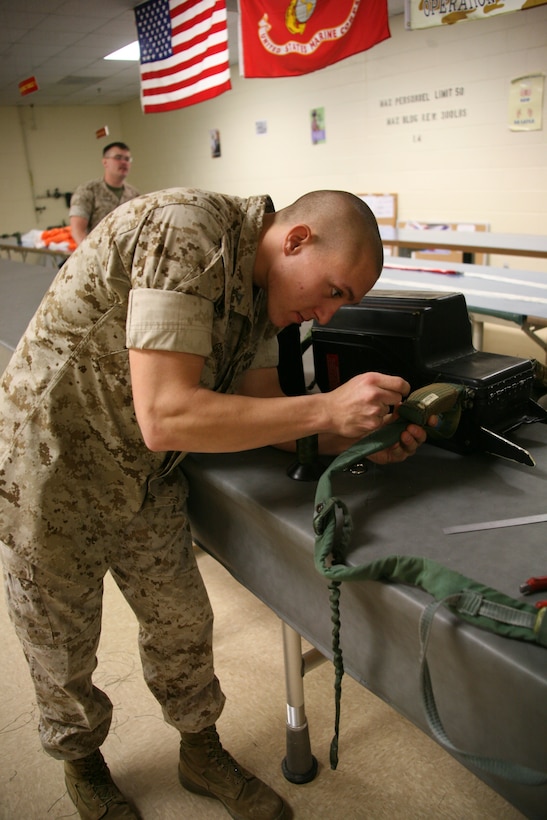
[
  {"x": 78, "y": 228},
  {"x": 81, "y": 209},
  {"x": 175, "y": 412}
]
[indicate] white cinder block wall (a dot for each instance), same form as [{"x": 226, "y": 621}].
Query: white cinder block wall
[
  {"x": 469, "y": 167},
  {"x": 43, "y": 148},
  {"x": 387, "y": 129},
  {"x": 462, "y": 168}
]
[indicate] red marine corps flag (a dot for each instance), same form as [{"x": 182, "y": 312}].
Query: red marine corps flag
[{"x": 283, "y": 38}]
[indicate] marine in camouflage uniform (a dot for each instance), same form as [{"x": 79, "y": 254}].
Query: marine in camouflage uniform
[
  {"x": 80, "y": 493},
  {"x": 95, "y": 199}
]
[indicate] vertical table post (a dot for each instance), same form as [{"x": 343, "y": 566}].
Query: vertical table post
[{"x": 299, "y": 765}]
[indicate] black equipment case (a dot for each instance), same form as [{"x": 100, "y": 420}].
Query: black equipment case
[{"x": 426, "y": 337}]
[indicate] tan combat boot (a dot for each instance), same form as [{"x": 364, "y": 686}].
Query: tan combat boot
[
  {"x": 206, "y": 768},
  {"x": 93, "y": 792}
]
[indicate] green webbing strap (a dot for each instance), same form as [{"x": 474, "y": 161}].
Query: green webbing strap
[
  {"x": 500, "y": 768},
  {"x": 473, "y": 602}
]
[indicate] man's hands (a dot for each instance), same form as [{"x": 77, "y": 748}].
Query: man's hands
[
  {"x": 369, "y": 402},
  {"x": 365, "y": 403},
  {"x": 411, "y": 438}
]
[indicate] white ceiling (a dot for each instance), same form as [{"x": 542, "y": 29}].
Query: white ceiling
[{"x": 62, "y": 43}]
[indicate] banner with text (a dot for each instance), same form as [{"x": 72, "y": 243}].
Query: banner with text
[
  {"x": 428, "y": 13},
  {"x": 285, "y": 39}
]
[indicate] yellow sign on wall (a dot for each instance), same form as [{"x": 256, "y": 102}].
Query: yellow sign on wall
[
  {"x": 428, "y": 13},
  {"x": 526, "y": 103}
]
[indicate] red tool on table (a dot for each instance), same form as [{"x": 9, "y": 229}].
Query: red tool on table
[{"x": 535, "y": 585}]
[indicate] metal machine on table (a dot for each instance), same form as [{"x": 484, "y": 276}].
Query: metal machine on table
[{"x": 426, "y": 337}]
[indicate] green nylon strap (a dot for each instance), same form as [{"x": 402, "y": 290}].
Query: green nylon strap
[
  {"x": 473, "y": 602},
  {"x": 500, "y": 768}
]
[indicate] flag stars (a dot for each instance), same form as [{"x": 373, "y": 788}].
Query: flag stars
[{"x": 154, "y": 30}]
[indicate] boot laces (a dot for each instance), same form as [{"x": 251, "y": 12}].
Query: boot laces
[
  {"x": 95, "y": 771},
  {"x": 218, "y": 754}
]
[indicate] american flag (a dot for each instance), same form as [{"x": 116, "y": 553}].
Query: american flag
[{"x": 184, "y": 52}]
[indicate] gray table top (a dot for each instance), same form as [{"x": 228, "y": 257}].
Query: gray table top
[
  {"x": 507, "y": 293},
  {"x": 258, "y": 523},
  {"x": 22, "y": 287},
  {"x": 470, "y": 241},
  {"x": 406, "y": 508}
]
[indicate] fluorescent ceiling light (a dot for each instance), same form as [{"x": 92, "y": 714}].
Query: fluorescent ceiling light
[{"x": 129, "y": 52}]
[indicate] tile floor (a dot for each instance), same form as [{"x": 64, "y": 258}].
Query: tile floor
[{"x": 388, "y": 769}]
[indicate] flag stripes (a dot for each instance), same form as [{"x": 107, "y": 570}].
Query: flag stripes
[{"x": 184, "y": 52}]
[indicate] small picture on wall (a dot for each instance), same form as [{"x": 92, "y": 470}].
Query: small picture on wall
[
  {"x": 214, "y": 135},
  {"x": 317, "y": 120},
  {"x": 526, "y": 103}
]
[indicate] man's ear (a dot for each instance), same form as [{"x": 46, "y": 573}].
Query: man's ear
[{"x": 295, "y": 238}]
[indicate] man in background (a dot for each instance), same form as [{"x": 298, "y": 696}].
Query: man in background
[{"x": 93, "y": 200}]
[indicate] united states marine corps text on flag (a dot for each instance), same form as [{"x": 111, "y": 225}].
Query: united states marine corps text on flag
[
  {"x": 283, "y": 38},
  {"x": 184, "y": 52}
]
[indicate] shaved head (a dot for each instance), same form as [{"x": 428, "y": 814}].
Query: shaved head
[{"x": 340, "y": 219}]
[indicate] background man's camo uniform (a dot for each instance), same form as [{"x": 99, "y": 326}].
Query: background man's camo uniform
[
  {"x": 80, "y": 493},
  {"x": 94, "y": 200}
]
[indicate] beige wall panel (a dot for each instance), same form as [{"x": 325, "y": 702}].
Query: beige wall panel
[{"x": 443, "y": 168}]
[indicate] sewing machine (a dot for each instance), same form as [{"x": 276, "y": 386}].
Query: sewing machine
[{"x": 426, "y": 337}]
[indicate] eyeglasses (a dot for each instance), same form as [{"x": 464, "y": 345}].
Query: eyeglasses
[{"x": 121, "y": 158}]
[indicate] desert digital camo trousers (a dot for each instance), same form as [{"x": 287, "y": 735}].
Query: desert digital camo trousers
[{"x": 58, "y": 622}]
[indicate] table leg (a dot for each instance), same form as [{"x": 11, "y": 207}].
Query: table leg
[
  {"x": 530, "y": 330},
  {"x": 299, "y": 765}
]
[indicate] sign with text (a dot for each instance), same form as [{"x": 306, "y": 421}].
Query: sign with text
[
  {"x": 285, "y": 39},
  {"x": 526, "y": 103},
  {"x": 429, "y": 13}
]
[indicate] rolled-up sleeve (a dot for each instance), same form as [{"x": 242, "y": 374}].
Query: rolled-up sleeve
[
  {"x": 81, "y": 203},
  {"x": 169, "y": 320}
]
